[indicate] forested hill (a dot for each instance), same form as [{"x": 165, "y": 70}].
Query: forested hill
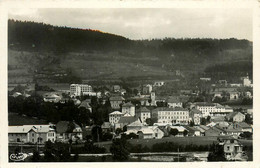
[
  {"x": 45, "y": 37},
  {"x": 91, "y": 53}
]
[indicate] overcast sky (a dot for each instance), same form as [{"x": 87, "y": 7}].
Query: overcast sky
[{"x": 148, "y": 23}]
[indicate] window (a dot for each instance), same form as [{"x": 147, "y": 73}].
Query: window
[
  {"x": 32, "y": 134},
  {"x": 228, "y": 148}
]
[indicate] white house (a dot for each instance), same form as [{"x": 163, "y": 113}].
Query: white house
[
  {"x": 128, "y": 108},
  {"x": 143, "y": 113},
  {"x": 172, "y": 115},
  {"x": 114, "y": 117},
  {"x": 80, "y": 89},
  {"x": 158, "y": 83},
  {"x": 31, "y": 133}
]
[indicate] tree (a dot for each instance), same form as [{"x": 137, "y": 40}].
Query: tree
[
  {"x": 174, "y": 131},
  {"x": 36, "y": 156},
  {"x": 248, "y": 119},
  {"x": 118, "y": 131},
  {"x": 217, "y": 154},
  {"x": 119, "y": 150},
  {"x": 191, "y": 123},
  {"x": 203, "y": 121},
  {"x": 150, "y": 121},
  {"x": 208, "y": 119},
  {"x": 185, "y": 132}
]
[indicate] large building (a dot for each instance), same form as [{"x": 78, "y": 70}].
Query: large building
[
  {"x": 211, "y": 109},
  {"x": 174, "y": 101},
  {"x": 31, "y": 134},
  {"x": 143, "y": 113},
  {"x": 128, "y": 108},
  {"x": 116, "y": 101},
  {"x": 171, "y": 115},
  {"x": 80, "y": 89},
  {"x": 114, "y": 117}
]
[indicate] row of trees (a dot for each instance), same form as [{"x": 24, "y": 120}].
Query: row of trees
[{"x": 34, "y": 106}]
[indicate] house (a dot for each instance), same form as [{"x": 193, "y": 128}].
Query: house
[
  {"x": 146, "y": 133},
  {"x": 211, "y": 124},
  {"x": 245, "y": 127},
  {"x": 160, "y": 99},
  {"x": 52, "y": 97},
  {"x": 201, "y": 130},
  {"x": 174, "y": 101},
  {"x": 228, "y": 109},
  {"x": 158, "y": 133},
  {"x": 128, "y": 108},
  {"x": 238, "y": 128},
  {"x": 86, "y": 105},
  {"x": 147, "y": 89},
  {"x": 143, "y": 113},
  {"x": 136, "y": 125},
  {"x": 236, "y": 117},
  {"x": 68, "y": 130},
  {"x": 214, "y": 131},
  {"x": 125, "y": 120},
  {"x": 211, "y": 109},
  {"x": 223, "y": 125},
  {"x": 175, "y": 115},
  {"x": 123, "y": 92},
  {"x": 247, "y": 82},
  {"x": 114, "y": 117},
  {"x": 159, "y": 83},
  {"x": 31, "y": 134},
  {"x": 186, "y": 92},
  {"x": 16, "y": 94},
  {"x": 80, "y": 89},
  {"x": 116, "y": 88},
  {"x": 233, "y": 149},
  {"x": 180, "y": 129},
  {"x": 151, "y": 132},
  {"x": 192, "y": 131},
  {"x": 233, "y": 95},
  {"x": 116, "y": 101},
  {"x": 106, "y": 127},
  {"x": 205, "y": 79},
  {"x": 195, "y": 116}
]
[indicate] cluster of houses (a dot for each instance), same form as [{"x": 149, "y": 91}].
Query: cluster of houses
[{"x": 63, "y": 131}]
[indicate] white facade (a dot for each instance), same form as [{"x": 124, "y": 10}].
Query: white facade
[
  {"x": 158, "y": 83},
  {"x": 128, "y": 108},
  {"x": 211, "y": 109},
  {"x": 114, "y": 117},
  {"x": 173, "y": 105},
  {"x": 173, "y": 115},
  {"x": 79, "y": 89}
]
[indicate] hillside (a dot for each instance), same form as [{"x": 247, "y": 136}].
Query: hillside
[{"x": 62, "y": 54}]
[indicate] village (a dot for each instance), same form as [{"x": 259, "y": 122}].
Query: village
[{"x": 142, "y": 113}]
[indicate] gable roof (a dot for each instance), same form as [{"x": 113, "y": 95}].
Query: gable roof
[
  {"x": 143, "y": 109},
  {"x": 27, "y": 128},
  {"x": 127, "y": 119},
  {"x": 204, "y": 104},
  {"x": 129, "y": 104},
  {"x": 116, "y": 98},
  {"x": 85, "y": 104},
  {"x": 62, "y": 126},
  {"x": 116, "y": 113},
  {"x": 170, "y": 109},
  {"x": 146, "y": 130},
  {"x": 173, "y": 99},
  {"x": 233, "y": 114}
]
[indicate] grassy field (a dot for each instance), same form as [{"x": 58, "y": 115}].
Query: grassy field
[{"x": 15, "y": 119}]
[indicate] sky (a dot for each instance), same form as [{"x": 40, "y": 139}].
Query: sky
[{"x": 148, "y": 23}]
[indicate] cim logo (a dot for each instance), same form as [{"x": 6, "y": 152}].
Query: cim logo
[{"x": 18, "y": 157}]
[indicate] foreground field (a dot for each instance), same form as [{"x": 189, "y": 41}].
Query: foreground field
[{"x": 15, "y": 119}]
